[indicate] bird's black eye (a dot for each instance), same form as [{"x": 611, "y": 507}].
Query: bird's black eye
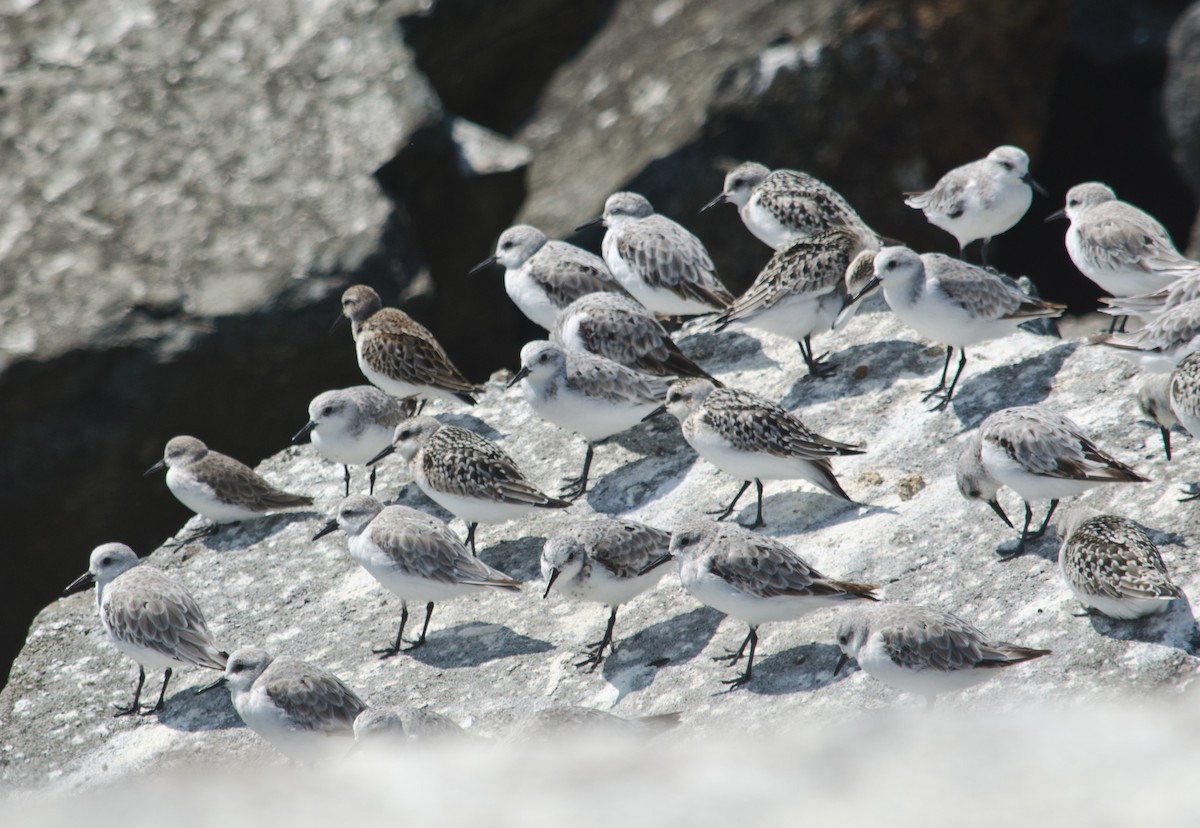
[
  {"x": 674, "y": 396},
  {"x": 105, "y": 561},
  {"x": 1072, "y": 202},
  {"x": 506, "y": 246},
  {"x": 545, "y": 357},
  {"x": 843, "y": 640},
  {"x": 1007, "y": 165},
  {"x": 404, "y": 435},
  {"x": 891, "y": 265},
  {"x": 235, "y": 668}
]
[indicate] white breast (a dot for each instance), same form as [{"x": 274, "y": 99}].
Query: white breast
[
  {"x": 530, "y": 297},
  {"x": 202, "y": 500}
]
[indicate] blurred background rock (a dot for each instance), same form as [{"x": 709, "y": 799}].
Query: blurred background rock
[{"x": 188, "y": 187}]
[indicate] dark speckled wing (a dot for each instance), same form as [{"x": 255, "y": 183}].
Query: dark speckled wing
[
  {"x": 460, "y": 462},
  {"x": 764, "y": 567},
  {"x": 1113, "y": 557},
  {"x": 798, "y": 200},
  {"x": 669, "y": 257},
  {"x": 1046, "y": 443},
  {"x": 395, "y": 344},
  {"x": 623, "y": 547},
  {"x": 237, "y": 484},
  {"x": 145, "y": 608},
  {"x": 752, "y": 423}
]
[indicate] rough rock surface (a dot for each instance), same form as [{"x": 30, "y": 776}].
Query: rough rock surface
[{"x": 490, "y": 657}]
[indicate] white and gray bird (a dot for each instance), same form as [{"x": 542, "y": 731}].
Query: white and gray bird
[
  {"x": 1121, "y": 248},
  {"x": 803, "y": 291},
  {"x": 217, "y": 487},
  {"x": 1154, "y": 400},
  {"x": 589, "y": 395},
  {"x": 560, "y": 722},
  {"x": 1184, "y": 397},
  {"x": 403, "y": 724},
  {"x": 616, "y": 327},
  {"x": 981, "y": 199},
  {"x": 352, "y": 425},
  {"x": 781, "y": 207},
  {"x": 414, "y": 556},
  {"x": 922, "y": 650},
  {"x": 469, "y": 476},
  {"x": 952, "y": 302},
  {"x": 306, "y": 712},
  {"x": 755, "y": 579},
  {"x": 149, "y": 617},
  {"x": 542, "y": 277},
  {"x": 1167, "y": 338},
  {"x": 1039, "y": 454},
  {"x": 657, "y": 261},
  {"x": 1113, "y": 567},
  {"x": 753, "y": 439},
  {"x": 606, "y": 560},
  {"x": 398, "y": 354}
]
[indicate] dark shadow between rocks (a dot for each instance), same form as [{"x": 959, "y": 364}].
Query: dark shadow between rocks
[
  {"x": 473, "y": 644},
  {"x": 634, "y": 663},
  {"x": 191, "y": 712},
  {"x": 805, "y": 668}
]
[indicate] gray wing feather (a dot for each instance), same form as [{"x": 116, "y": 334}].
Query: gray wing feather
[
  {"x": 429, "y": 549},
  {"x": 1049, "y": 444},
  {"x": 668, "y": 256},
  {"x": 146, "y": 608},
  {"x": 461, "y": 462},
  {"x": 236, "y": 483},
  {"x": 623, "y": 547},
  {"x": 1112, "y": 556},
  {"x": 603, "y": 378},
  {"x": 313, "y": 699},
  {"x": 753, "y": 423}
]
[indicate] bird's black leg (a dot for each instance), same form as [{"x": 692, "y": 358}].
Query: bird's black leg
[
  {"x": 162, "y": 694},
  {"x": 728, "y": 510},
  {"x": 595, "y": 652},
  {"x": 471, "y": 538},
  {"x": 949, "y": 393},
  {"x": 424, "y": 627},
  {"x": 371, "y": 491},
  {"x": 817, "y": 369},
  {"x": 1045, "y": 523},
  {"x": 1020, "y": 549},
  {"x": 752, "y": 640},
  {"x": 137, "y": 696},
  {"x": 941, "y": 386},
  {"x": 388, "y": 652},
  {"x": 758, "y": 521},
  {"x": 202, "y": 532},
  {"x": 573, "y": 489},
  {"x": 346, "y": 469}
]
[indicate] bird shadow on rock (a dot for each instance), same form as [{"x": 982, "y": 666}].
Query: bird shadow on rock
[
  {"x": 471, "y": 423},
  {"x": 1027, "y": 382},
  {"x": 808, "y": 667},
  {"x": 475, "y": 643},
  {"x": 739, "y": 351},
  {"x": 250, "y": 533},
  {"x": 792, "y": 511},
  {"x": 192, "y": 712},
  {"x": 884, "y": 361},
  {"x": 651, "y": 477},
  {"x": 636, "y": 660},
  {"x": 1174, "y": 628},
  {"x": 1046, "y": 547},
  {"x": 520, "y": 559}
]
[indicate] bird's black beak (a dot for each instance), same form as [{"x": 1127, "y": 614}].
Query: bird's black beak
[
  {"x": 381, "y": 455},
  {"x": 304, "y": 432},
  {"x": 1166, "y": 435},
  {"x": 326, "y": 529},
  {"x": 221, "y": 682},
  {"x": 995, "y": 504},
  {"x": 599, "y": 220},
  {"x": 157, "y": 467},
  {"x": 84, "y": 580},
  {"x": 550, "y": 581},
  {"x": 721, "y": 199},
  {"x": 521, "y": 374},
  {"x": 1038, "y": 188},
  {"x": 656, "y": 563},
  {"x": 871, "y": 284},
  {"x": 654, "y": 413},
  {"x": 1061, "y": 214},
  {"x": 842, "y": 659},
  {"x": 484, "y": 265},
  {"x": 337, "y": 323}
]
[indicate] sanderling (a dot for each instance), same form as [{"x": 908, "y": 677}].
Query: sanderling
[
  {"x": 753, "y": 439},
  {"x": 1154, "y": 400},
  {"x": 1122, "y": 249},
  {"x": 1158, "y": 347},
  {"x": 543, "y": 277},
  {"x": 618, "y": 328},
  {"x": 469, "y": 476},
  {"x": 413, "y": 555},
  {"x": 802, "y": 291},
  {"x": 1113, "y": 567},
  {"x": 952, "y": 302},
  {"x": 304, "y": 711},
  {"x": 981, "y": 199},
  {"x": 607, "y": 560},
  {"x": 755, "y": 579},
  {"x": 352, "y": 425},
  {"x": 217, "y": 487},
  {"x": 660, "y": 263},
  {"x": 784, "y": 206},
  {"x": 1038, "y": 453},
  {"x": 1185, "y": 401},
  {"x": 397, "y": 353},
  {"x": 570, "y": 721},
  {"x": 922, "y": 650},
  {"x": 587, "y": 394},
  {"x": 403, "y": 724},
  {"x": 148, "y": 617}
]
